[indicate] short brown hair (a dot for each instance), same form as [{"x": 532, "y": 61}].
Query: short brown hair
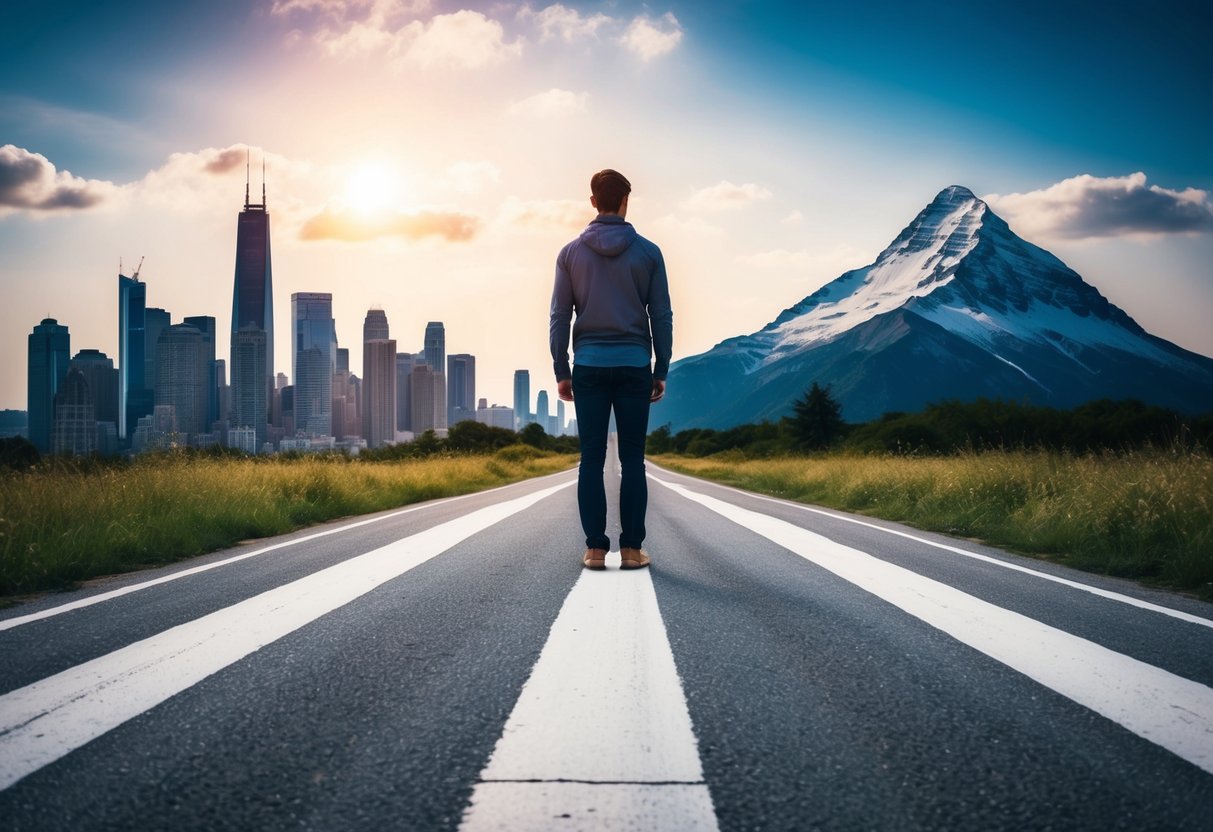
[{"x": 609, "y": 188}]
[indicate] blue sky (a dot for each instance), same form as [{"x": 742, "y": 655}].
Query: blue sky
[{"x": 773, "y": 145}]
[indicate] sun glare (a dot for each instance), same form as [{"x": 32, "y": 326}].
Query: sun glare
[{"x": 372, "y": 186}]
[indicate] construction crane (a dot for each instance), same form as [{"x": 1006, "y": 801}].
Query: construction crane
[{"x": 135, "y": 276}]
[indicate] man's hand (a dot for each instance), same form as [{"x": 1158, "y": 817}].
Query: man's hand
[
  {"x": 658, "y": 390},
  {"x": 564, "y": 389}
]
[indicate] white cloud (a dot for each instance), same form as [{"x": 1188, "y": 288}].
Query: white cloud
[
  {"x": 1087, "y": 207},
  {"x": 555, "y": 103},
  {"x": 30, "y": 182},
  {"x": 565, "y": 23},
  {"x": 208, "y": 180},
  {"x": 794, "y": 218},
  {"x": 725, "y": 196},
  {"x": 647, "y": 40},
  {"x": 472, "y": 177},
  {"x": 465, "y": 39}
]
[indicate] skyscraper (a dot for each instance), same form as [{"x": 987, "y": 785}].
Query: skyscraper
[
  {"x": 374, "y": 326},
  {"x": 253, "y": 309},
  {"x": 156, "y": 320},
  {"x": 541, "y": 412},
  {"x": 182, "y": 370},
  {"x": 423, "y": 385},
  {"x": 560, "y": 417},
  {"x": 378, "y": 381},
  {"x": 435, "y": 346},
  {"x": 206, "y": 325},
  {"x": 102, "y": 378},
  {"x": 347, "y": 423},
  {"x": 315, "y": 361},
  {"x": 522, "y": 398},
  {"x": 49, "y": 348},
  {"x": 250, "y": 392},
  {"x": 461, "y": 387},
  {"x": 75, "y": 425},
  {"x": 404, "y": 401},
  {"x": 134, "y": 397}
]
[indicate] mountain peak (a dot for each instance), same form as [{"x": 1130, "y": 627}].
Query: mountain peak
[
  {"x": 956, "y": 306},
  {"x": 953, "y": 195}
]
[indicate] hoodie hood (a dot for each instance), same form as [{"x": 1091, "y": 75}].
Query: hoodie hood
[{"x": 609, "y": 235}]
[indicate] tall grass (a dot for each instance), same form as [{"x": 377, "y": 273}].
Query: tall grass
[
  {"x": 63, "y": 525},
  {"x": 1146, "y": 515}
]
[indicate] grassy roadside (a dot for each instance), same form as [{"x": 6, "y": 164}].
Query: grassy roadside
[
  {"x": 1145, "y": 515},
  {"x": 62, "y": 526}
]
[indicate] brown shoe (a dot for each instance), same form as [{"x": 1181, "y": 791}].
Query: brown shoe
[
  {"x": 633, "y": 559},
  {"x": 595, "y": 558}
]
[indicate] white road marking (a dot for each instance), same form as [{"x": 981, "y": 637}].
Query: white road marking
[
  {"x": 1094, "y": 590},
  {"x": 17, "y": 621},
  {"x": 50, "y": 718},
  {"x": 600, "y": 737},
  {"x": 1159, "y": 706}
]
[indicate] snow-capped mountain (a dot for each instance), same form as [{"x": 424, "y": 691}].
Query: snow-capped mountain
[{"x": 957, "y": 307}]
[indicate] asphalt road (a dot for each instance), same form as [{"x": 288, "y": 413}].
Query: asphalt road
[{"x": 453, "y": 666}]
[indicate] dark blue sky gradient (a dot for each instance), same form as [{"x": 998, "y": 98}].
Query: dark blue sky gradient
[
  {"x": 1109, "y": 87},
  {"x": 1129, "y": 84}
]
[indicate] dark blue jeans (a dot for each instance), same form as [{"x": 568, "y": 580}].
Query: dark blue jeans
[{"x": 596, "y": 392}]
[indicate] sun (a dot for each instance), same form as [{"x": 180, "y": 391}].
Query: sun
[{"x": 372, "y": 186}]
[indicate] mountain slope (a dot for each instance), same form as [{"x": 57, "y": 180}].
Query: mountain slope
[{"x": 957, "y": 307}]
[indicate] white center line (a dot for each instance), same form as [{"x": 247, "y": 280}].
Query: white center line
[
  {"x": 1157, "y": 705},
  {"x": 1014, "y": 567},
  {"x": 600, "y": 737},
  {"x": 50, "y": 718}
]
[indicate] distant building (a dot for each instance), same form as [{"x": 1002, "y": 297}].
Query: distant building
[
  {"x": 423, "y": 386},
  {"x": 14, "y": 423},
  {"x": 461, "y": 388},
  {"x": 404, "y": 401},
  {"x": 496, "y": 416},
  {"x": 225, "y": 396},
  {"x": 158, "y": 431},
  {"x": 102, "y": 378},
  {"x": 252, "y": 357},
  {"x": 541, "y": 412},
  {"x": 308, "y": 444},
  {"x": 250, "y": 388},
  {"x": 75, "y": 426},
  {"x": 134, "y": 391},
  {"x": 207, "y": 326},
  {"x": 522, "y": 398},
  {"x": 315, "y": 361},
  {"x": 242, "y": 439},
  {"x": 378, "y": 381},
  {"x": 559, "y": 417},
  {"x": 435, "y": 346},
  {"x": 183, "y": 376},
  {"x": 156, "y": 320},
  {"x": 347, "y": 389},
  {"x": 49, "y": 349}
]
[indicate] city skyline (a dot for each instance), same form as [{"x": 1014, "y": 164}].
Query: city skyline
[{"x": 772, "y": 147}]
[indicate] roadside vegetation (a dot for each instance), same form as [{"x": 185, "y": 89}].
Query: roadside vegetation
[
  {"x": 1115, "y": 488},
  {"x": 63, "y": 521}
]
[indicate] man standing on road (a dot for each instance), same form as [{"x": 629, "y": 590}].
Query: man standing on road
[{"x": 615, "y": 281}]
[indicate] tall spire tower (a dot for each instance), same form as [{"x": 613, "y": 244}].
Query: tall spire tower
[{"x": 252, "y": 353}]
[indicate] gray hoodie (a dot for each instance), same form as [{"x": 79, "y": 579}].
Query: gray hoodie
[{"x": 615, "y": 281}]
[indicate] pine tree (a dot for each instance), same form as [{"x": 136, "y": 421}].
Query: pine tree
[{"x": 817, "y": 420}]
